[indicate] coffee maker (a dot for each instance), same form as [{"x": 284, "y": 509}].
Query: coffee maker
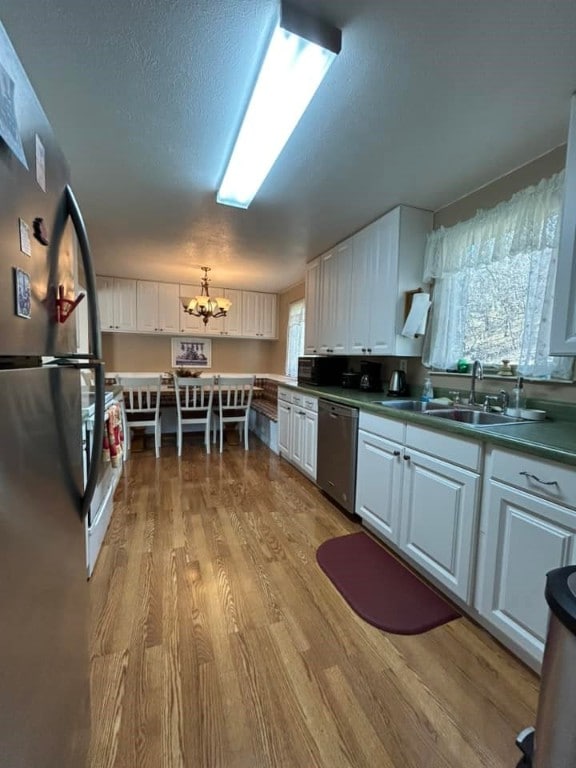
[{"x": 370, "y": 376}]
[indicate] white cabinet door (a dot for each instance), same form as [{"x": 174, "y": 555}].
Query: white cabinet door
[
  {"x": 379, "y": 483},
  {"x": 524, "y": 538},
  {"x": 259, "y": 315},
  {"x": 439, "y": 503},
  {"x": 313, "y": 299},
  {"x": 563, "y": 333},
  {"x": 284, "y": 431},
  {"x": 335, "y": 308},
  {"x": 125, "y": 304},
  {"x": 310, "y": 443},
  {"x": 233, "y": 320},
  {"x": 297, "y": 436},
  {"x": 360, "y": 303},
  {"x": 147, "y": 293},
  {"x": 117, "y": 303},
  {"x": 106, "y": 301},
  {"x": 382, "y": 275},
  {"x": 268, "y": 322},
  {"x": 169, "y": 307}
]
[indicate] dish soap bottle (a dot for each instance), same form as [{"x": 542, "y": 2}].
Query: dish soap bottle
[
  {"x": 517, "y": 399},
  {"x": 427, "y": 392}
]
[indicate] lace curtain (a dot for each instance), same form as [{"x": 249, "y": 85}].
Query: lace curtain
[
  {"x": 295, "y": 340},
  {"x": 494, "y": 282}
]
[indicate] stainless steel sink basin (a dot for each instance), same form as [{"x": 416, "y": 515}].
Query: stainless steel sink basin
[
  {"x": 474, "y": 418},
  {"x": 409, "y": 405}
]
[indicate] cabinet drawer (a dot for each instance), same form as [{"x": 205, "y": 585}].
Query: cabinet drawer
[
  {"x": 298, "y": 398},
  {"x": 536, "y": 476},
  {"x": 285, "y": 395},
  {"x": 383, "y": 427},
  {"x": 465, "y": 453},
  {"x": 310, "y": 403}
]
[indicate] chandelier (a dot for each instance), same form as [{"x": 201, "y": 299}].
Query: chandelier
[{"x": 204, "y": 305}]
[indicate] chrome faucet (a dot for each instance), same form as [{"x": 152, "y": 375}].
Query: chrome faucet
[{"x": 477, "y": 373}]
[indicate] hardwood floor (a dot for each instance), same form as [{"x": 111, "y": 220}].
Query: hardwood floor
[{"x": 218, "y": 642}]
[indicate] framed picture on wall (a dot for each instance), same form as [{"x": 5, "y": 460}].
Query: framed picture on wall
[{"x": 191, "y": 353}]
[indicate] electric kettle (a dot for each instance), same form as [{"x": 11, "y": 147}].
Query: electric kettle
[{"x": 397, "y": 384}]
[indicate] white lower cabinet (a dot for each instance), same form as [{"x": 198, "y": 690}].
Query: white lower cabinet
[
  {"x": 525, "y": 532},
  {"x": 379, "y": 483},
  {"x": 298, "y": 430},
  {"x": 438, "y": 525},
  {"x": 412, "y": 491}
]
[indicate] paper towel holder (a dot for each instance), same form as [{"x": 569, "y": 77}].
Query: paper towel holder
[{"x": 408, "y": 299}]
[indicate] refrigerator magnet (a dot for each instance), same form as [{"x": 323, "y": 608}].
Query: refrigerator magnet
[
  {"x": 25, "y": 244},
  {"x": 22, "y": 293}
]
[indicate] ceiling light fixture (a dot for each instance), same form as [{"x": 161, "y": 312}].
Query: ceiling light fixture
[
  {"x": 203, "y": 305},
  {"x": 299, "y": 54}
]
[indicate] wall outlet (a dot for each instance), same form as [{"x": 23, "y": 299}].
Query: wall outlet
[{"x": 403, "y": 365}]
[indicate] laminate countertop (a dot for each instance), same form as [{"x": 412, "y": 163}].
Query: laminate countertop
[{"x": 553, "y": 439}]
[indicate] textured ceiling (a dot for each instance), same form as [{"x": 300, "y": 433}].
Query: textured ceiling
[{"x": 427, "y": 101}]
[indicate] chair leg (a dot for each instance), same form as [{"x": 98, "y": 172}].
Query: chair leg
[
  {"x": 157, "y": 440},
  {"x": 179, "y": 439},
  {"x": 207, "y": 436},
  {"x": 245, "y": 428},
  {"x": 221, "y": 425}
]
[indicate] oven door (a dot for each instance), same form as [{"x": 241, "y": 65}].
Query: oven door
[{"x": 101, "y": 507}]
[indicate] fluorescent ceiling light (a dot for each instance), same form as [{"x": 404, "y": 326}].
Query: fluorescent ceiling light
[{"x": 299, "y": 55}]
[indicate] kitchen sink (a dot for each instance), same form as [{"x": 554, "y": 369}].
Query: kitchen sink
[
  {"x": 409, "y": 405},
  {"x": 474, "y": 418}
]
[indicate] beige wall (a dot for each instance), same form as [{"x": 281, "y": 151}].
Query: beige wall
[
  {"x": 138, "y": 352},
  {"x": 278, "y": 359},
  {"x": 501, "y": 189}
]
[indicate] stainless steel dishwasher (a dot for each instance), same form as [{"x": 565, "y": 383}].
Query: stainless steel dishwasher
[{"x": 337, "y": 442}]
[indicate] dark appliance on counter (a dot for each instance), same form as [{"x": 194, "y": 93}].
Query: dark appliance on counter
[
  {"x": 397, "y": 385},
  {"x": 321, "y": 371},
  {"x": 44, "y": 498},
  {"x": 351, "y": 380},
  {"x": 337, "y": 442},
  {"x": 370, "y": 376},
  {"x": 553, "y": 743}
]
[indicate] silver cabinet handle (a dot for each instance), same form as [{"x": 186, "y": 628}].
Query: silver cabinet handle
[{"x": 537, "y": 479}]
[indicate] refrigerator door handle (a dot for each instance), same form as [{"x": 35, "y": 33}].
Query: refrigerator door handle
[{"x": 73, "y": 210}]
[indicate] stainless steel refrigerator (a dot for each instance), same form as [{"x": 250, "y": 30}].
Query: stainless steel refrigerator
[{"x": 44, "y": 495}]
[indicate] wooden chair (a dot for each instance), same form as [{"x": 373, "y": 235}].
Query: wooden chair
[
  {"x": 234, "y": 398},
  {"x": 142, "y": 404},
  {"x": 194, "y": 399}
]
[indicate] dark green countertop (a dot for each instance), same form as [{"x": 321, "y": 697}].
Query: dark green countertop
[{"x": 553, "y": 440}]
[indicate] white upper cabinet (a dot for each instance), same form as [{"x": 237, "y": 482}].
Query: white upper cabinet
[
  {"x": 360, "y": 288},
  {"x": 313, "y": 298},
  {"x": 144, "y": 306},
  {"x": 335, "y": 303},
  {"x": 259, "y": 315},
  {"x": 158, "y": 307},
  {"x": 117, "y": 303},
  {"x": 563, "y": 333}
]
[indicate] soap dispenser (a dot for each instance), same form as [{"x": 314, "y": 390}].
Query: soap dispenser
[{"x": 517, "y": 399}]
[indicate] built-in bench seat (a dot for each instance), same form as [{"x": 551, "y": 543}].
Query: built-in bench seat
[{"x": 264, "y": 412}]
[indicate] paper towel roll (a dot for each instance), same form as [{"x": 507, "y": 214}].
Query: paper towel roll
[{"x": 415, "y": 324}]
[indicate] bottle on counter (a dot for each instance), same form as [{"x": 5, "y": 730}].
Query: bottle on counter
[
  {"x": 517, "y": 399},
  {"x": 427, "y": 391}
]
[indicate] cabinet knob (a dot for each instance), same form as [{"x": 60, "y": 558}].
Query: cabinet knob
[
  {"x": 406, "y": 457},
  {"x": 363, "y": 349},
  {"x": 369, "y": 350},
  {"x": 397, "y": 453}
]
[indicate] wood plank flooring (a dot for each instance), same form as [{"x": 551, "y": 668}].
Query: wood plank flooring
[{"x": 218, "y": 642}]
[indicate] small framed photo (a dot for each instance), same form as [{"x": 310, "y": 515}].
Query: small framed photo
[
  {"x": 22, "y": 293},
  {"x": 191, "y": 353}
]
